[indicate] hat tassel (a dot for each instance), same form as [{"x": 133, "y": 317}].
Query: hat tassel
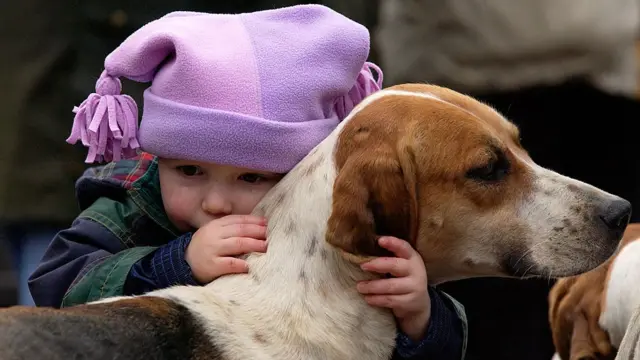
[
  {"x": 106, "y": 122},
  {"x": 365, "y": 85}
]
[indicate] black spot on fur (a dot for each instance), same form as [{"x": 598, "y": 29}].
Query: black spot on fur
[
  {"x": 313, "y": 247},
  {"x": 290, "y": 227},
  {"x": 278, "y": 200},
  {"x": 254, "y": 276},
  {"x": 312, "y": 166}
]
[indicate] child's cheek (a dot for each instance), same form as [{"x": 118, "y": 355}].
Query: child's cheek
[{"x": 181, "y": 208}]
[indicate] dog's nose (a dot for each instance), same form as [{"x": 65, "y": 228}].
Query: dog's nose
[{"x": 616, "y": 216}]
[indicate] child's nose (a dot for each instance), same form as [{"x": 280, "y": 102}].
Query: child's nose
[{"x": 217, "y": 203}]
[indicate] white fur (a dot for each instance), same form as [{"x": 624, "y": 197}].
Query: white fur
[{"x": 623, "y": 292}]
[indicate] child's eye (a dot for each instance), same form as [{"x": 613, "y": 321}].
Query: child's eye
[
  {"x": 190, "y": 170},
  {"x": 251, "y": 178}
]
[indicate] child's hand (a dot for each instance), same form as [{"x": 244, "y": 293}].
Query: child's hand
[
  {"x": 405, "y": 293},
  {"x": 212, "y": 247}
]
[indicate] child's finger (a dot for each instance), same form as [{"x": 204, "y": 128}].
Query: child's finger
[
  {"x": 388, "y": 301},
  {"x": 240, "y": 219},
  {"x": 240, "y": 245},
  {"x": 388, "y": 265},
  {"x": 393, "y": 286},
  {"x": 229, "y": 265},
  {"x": 254, "y": 231},
  {"x": 400, "y": 248},
  {"x": 384, "y": 301}
]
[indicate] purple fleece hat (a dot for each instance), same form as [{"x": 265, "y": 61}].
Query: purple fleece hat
[{"x": 256, "y": 90}]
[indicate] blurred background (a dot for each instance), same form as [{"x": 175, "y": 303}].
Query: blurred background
[{"x": 565, "y": 71}]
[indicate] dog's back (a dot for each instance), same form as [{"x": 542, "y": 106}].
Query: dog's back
[{"x": 141, "y": 328}]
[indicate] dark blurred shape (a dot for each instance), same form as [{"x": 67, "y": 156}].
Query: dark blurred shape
[{"x": 8, "y": 286}]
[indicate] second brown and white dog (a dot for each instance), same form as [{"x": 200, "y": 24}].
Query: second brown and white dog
[
  {"x": 418, "y": 162},
  {"x": 592, "y": 314}
]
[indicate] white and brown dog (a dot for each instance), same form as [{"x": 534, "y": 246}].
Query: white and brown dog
[{"x": 419, "y": 162}]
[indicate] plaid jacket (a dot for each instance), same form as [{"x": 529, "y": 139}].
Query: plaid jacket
[
  {"x": 121, "y": 222},
  {"x": 123, "y": 236}
]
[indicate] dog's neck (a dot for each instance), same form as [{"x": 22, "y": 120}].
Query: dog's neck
[
  {"x": 302, "y": 287},
  {"x": 299, "y": 261},
  {"x": 297, "y": 211}
]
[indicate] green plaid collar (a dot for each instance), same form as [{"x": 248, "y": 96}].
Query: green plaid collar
[
  {"x": 145, "y": 192},
  {"x": 138, "y": 177}
]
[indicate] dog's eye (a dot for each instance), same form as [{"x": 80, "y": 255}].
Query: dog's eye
[{"x": 495, "y": 170}]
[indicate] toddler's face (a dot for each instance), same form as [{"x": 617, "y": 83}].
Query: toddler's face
[{"x": 195, "y": 193}]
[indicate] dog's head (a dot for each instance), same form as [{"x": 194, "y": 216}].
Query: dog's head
[{"x": 448, "y": 174}]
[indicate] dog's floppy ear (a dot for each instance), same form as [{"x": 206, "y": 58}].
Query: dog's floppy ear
[{"x": 374, "y": 194}]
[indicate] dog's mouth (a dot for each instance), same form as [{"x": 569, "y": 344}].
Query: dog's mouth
[{"x": 521, "y": 265}]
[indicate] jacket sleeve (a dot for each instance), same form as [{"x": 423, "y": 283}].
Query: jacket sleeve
[
  {"x": 446, "y": 334},
  {"x": 83, "y": 263},
  {"x": 162, "y": 268}
]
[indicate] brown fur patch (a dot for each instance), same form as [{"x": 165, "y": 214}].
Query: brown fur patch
[
  {"x": 259, "y": 338},
  {"x": 323, "y": 289}
]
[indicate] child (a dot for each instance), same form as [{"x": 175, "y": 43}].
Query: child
[{"x": 235, "y": 102}]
